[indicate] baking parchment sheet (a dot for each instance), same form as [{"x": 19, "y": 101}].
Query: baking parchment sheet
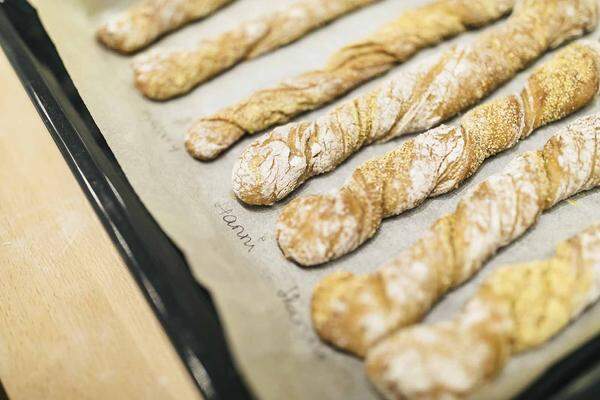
[{"x": 262, "y": 298}]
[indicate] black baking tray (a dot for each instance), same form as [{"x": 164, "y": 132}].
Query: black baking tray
[{"x": 184, "y": 308}]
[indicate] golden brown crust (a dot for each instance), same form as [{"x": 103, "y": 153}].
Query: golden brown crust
[
  {"x": 517, "y": 308},
  {"x": 416, "y": 99},
  {"x": 316, "y": 229},
  {"x": 358, "y": 311},
  {"x": 147, "y": 20},
  {"x": 162, "y": 75},
  {"x": 342, "y": 292},
  {"x": 346, "y": 69}
]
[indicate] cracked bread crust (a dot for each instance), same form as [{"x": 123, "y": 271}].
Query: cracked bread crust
[
  {"x": 161, "y": 74},
  {"x": 353, "y": 312},
  {"x": 315, "y": 229},
  {"x": 414, "y": 100},
  {"x": 346, "y": 69},
  {"x": 519, "y": 307}
]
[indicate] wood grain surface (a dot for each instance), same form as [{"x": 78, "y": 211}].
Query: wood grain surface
[{"x": 73, "y": 324}]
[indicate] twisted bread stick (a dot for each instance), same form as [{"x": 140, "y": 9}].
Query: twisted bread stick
[
  {"x": 147, "y": 20},
  {"x": 316, "y": 229},
  {"x": 517, "y": 308},
  {"x": 161, "y": 75},
  {"x": 354, "y": 312},
  {"x": 346, "y": 69},
  {"x": 415, "y": 100}
]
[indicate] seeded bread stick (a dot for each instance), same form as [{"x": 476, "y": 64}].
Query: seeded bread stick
[
  {"x": 519, "y": 307},
  {"x": 346, "y": 69},
  {"x": 355, "y": 312},
  {"x": 316, "y": 229},
  {"x": 162, "y": 74},
  {"x": 147, "y": 20},
  {"x": 414, "y": 100}
]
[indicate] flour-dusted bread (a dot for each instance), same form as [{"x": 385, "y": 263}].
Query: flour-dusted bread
[
  {"x": 147, "y": 20},
  {"x": 355, "y": 312},
  {"x": 163, "y": 74},
  {"x": 517, "y": 308},
  {"x": 316, "y": 229},
  {"x": 414, "y": 100},
  {"x": 346, "y": 69}
]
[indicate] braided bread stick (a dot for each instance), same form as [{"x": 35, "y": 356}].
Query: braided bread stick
[
  {"x": 315, "y": 229},
  {"x": 161, "y": 75},
  {"x": 147, "y": 20},
  {"x": 415, "y": 100},
  {"x": 517, "y": 308},
  {"x": 354, "y": 312},
  {"x": 346, "y": 69}
]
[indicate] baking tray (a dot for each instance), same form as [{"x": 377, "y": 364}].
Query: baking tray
[{"x": 184, "y": 308}]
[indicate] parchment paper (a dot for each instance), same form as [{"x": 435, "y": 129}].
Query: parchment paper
[{"x": 263, "y": 299}]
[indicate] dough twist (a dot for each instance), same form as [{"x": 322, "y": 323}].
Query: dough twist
[
  {"x": 161, "y": 75},
  {"x": 354, "y": 312},
  {"x": 147, "y": 20},
  {"x": 346, "y": 69},
  {"x": 416, "y": 99},
  {"x": 517, "y": 308},
  {"x": 315, "y": 229}
]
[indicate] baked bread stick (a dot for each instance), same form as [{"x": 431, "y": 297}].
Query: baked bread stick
[
  {"x": 415, "y": 100},
  {"x": 346, "y": 69},
  {"x": 162, "y": 74},
  {"x": 518, "y": 308},
  {"x": 354, "y": 312},
  {"x": 147, "y": 20},
  {"x": 316, "y": 229}
]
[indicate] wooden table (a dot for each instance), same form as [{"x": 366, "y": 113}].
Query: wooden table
[{"x": 73, "y": 324}]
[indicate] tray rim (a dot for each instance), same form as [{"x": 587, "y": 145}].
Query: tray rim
[
  {"x": 156, "y": 263},
  {"x": 183, "y": 307}
]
